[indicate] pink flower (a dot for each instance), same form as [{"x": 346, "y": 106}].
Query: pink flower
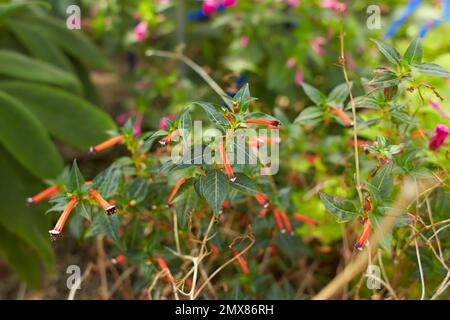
[
  {"x": 440, "y": 133},
  {"x": 291, "y": 63},
  {"x": 293, "y": 3},
  {"x": 244, "y": 41},
  {"x": 334, "y": 5},
  {"x": 140, "y": 31},
  {"x": 299, "y": 76},
  {"x": 164, "y": 120},
  {"x": 229, "y": 3},
  {"x": 209, "y": 7},
  {"x": 435, "y": 105},
  {"x": 316, "y": 45}
]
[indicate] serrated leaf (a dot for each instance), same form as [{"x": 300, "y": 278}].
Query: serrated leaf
[
  {"x": 245, "y": 185},
  {"x": 343, "y": 210},
  {"x": 26, "y": 139},
  {"x": 69, "y": 118},
  {"x": 414, "y": 51},
  {"x": 310, "y": 116},
  {"x": 389, "y": 52},
  {"x": 215, "y": 189},
  {"x": 19, "y": 66},
  {"x": 431, "y": 69},
  {"x": 215, "y": 113},
  {"x": 315, "y": 95}
]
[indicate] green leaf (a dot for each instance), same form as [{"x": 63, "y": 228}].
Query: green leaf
[
  {"x": 19, "y": 66},
  {"x": 215, "y": 113},
  {"x": 7, "y": 9},
  {"x": 243, "y": 98},
  {"x": 383, "y": 181},
  {"x": 66, "y": 116},
  {"x": 385, "y": 80},
  {"x": 185, "y": 123},
  {"x": 84, "y": 209},
  {"x": 185, "y": 203},
  {"x": 137, "y": 189},
  {"x": 431, "y": 69},
  {"x": 106, "y": 225},
  {"x": 150, "y": 140},
  {"x": 339, "y": 94},
  {"x": 215, "y": 189},
  {"x": 245, "y": 184},
  {"x": 107, "y": 181},
  {"x": 37, "y": 45},
  {"x": 315, "y": 95},
  {"x": 27, "y": 223},
  {"x": 74, "y": 42},
  {"x": 26, "y": 139},
  {"x": 76, "y": 180},
  {"x": 310, "y": 116},
  {"x": 414, "y": 51},
  {"x": 343, "y": 210},
  {"x": 386, "y": 238},
  {"x": 389, "y": 52}
]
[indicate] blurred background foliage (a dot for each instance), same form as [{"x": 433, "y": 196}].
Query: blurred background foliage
[{"x": 50, "y": 109}]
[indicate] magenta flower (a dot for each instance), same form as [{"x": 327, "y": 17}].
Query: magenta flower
[
  {"x": 140, "y": 31},
  {"x": 163, "y": 122},
  {"x": 229, "y": 3},
  {"x": 244, "y": 41},
  {"x": 316, "y": 45},
  {"x": 299, "y": 76},
  {"x": 209, "y": 7},
  {"x": 435, "y": 105},
  {"x": 291, "y": 63},
  {"x": 293, "y": 3},
  {"x": 334, "y": 5},
  {"x": 440, "y": 133}
]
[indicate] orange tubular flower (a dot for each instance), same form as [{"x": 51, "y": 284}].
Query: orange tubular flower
[
  {"x": 174, "y": 191},
  {"x": 270, "y": 123},
  {"x": 278, "y": 220},
  {"x": 258, "y": 142},
  {"x": 106, "y": 144},
  {"x": 286, "y": 221},
  {"x": 263, "y": 212},
  {"x": 227, "y": 165},
  {"x": 342, "y": 115},
  {"x": 118, "y": 260},
  {"x": 262, "y": 199},
  {"x": 108, "y": 207},
  {"x": 367, "y": 230},
  {"x": 163, "y": 265},
  {"x": 169, "y": 137},
  {"x": 47, "y": 193},
  {"x": 56, "y": 231},
  {"x": 305, "y": 219},
  {"x": 241, "y": 262}
]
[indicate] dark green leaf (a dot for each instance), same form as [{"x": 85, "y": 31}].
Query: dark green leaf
[
  {"x": 215, "y": 189},
  {"x": 310, "y": 116},
  {"x": 215, "y": 113},
  {"x": 342, "y": 209},
  {"x": 315, "y": 95},
  {"x": 185, "y": 203},
  {"x": 76, "y": 180},
  {"x": 245, "y": 184}
]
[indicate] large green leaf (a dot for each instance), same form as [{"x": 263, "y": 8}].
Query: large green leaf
[
  {"x": 19, "y": 66},
  {"x": 67, "y": 117},
  {"x": 23, "y": 221},
  {"x": 310, "y": 116},
  {"x": 185, "y": 203},
  {"x": 73, "y": 42},
  {"x": 26, "y": 139},
  {"x": 215, "y": 189},
  {"x": 431, "y": 69},
  {"x": 383, "y": 182},
  {"x": 342, "y": 209},
  {"x": 214, "y": 112},
  {"x": 414, "y": 52},
  {"x": 389, "y": 52},
  {"x": 315, "y": 95},
  {"x": 37, "y": 45},
  {"x": 339, "y": 94},
  {"x": 245, "y": 184}
]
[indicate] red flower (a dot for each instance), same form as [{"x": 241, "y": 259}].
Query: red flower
[
  {"x": 304, "y": 219},
  {"x": 174, "y": 191},
  {"x": 163, "y": 266},
  {"x": 262, "y": 199},
  {"x": 241, "y": 262},
  {"x": 270, "y": 123},
  {"x": 56, "y": 231},
  {"x": 286, "y": 222},
  {"x": 228, "y": 168},
  {"x": 342, "y": 115},
  {"x": 108, "y": 207},
  {"x": 263, "y": 212},
  {"x": 118, "y": 260},
  {"x": 367, "y": 230},
  {"x": 106, "y": 144},
  {"x": 169, "y": 137},
  {"x": 214, "y": 250},
  {"x": 44, "y": 194},
  {"x": 278, "y": 220}
]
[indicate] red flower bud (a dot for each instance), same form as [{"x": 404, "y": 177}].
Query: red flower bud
[
  {"x": 228, "y": 168},
  {"x": 270, "y": 123},
  {"x": 367, "y": 230},
  {"x": 163, "y": 266},
  {"x": 108, "y": 207},
  {"x": 47, "y": 193},
  {"x": 241, "y": 262},
  {"x": 118, "y": 260},
  {"x": 262, "y": 199},
  {"x": 278, "y": 220},
  {"x": 342, "y": 115},
  {"x": 106, "y": 144},
  {"x": 174, "y": 191},
  {"x": 304, "y": 219},
  {"x": 169, "y": 137},
  {"x": 263, "y": 212},
  {"x": 56, "y": 231},
  {"x": 286, "y": 222}
]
